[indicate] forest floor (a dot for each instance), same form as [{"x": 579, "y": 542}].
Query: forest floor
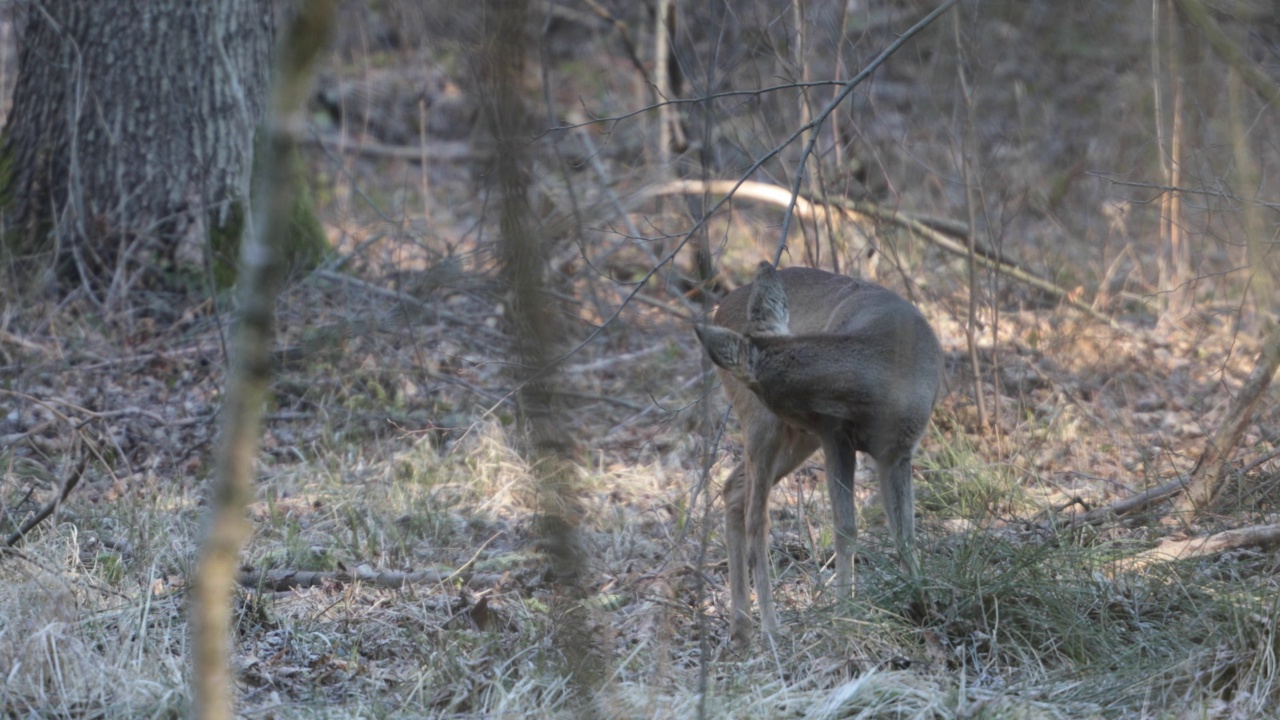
[{"x": 396, "y": 569}]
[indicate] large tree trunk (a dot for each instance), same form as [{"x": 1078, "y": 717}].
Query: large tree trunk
[{"x": 132, "y": 129}]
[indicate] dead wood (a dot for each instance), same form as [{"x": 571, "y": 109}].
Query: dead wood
[
  {"x": 285, "y": 579},
  {"x": 1152, "y": 496},
  {"x": 1259, "y": 536},
  {"x": 1130, "y": 505},
  {"x": 67, "y": 486},
  {"x": 984, "y": 258},
  {"x": 90, "y": 447},
  {"x": 9, "y": 338},
  {"x": 437, "y": 151},
  {"x": 1210, "y": 471}
]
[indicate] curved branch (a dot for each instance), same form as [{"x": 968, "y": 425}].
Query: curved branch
[{"x": 866, "y": 212}]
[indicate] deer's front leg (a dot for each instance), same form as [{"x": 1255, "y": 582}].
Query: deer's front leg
[
  {"x": 735, "y": 540},
  {"x": 759, "y": 483},
  {"x": 766, "y": 461}
]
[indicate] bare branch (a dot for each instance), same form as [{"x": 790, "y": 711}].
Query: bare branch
[
  {"x": 1206, "y": 478},
  {"x": 1173, "y": 550},
  {"x": 67, "y": 486}
]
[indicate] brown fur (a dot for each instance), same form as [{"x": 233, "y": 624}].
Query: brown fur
[{"x": 812, "y": 359}]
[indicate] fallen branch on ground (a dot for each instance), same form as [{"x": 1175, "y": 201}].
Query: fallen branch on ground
[
  {"x": 278, "y": 580},
  {"x": 437, "y": 151},
  {"x": 1130, "y": 505},
  {"x": 1152, "y": 496},
  {"x": 1209, "y": 475},
  {"x": 1171, "y": 550}
]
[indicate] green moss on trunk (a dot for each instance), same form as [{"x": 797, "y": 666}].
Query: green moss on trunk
[
  {"x": 305, "y": 247},
  {"x": 224, "y": 245},
  {"x": 19, "y": 242}
]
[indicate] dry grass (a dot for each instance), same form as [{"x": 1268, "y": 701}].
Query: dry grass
[
  {"x": 1007, "y": 624},
  {"x": 390, "y": 442}
]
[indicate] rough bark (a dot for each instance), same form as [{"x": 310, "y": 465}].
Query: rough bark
[
  {"x": 263, "y": 270},
  {"x": 132, "y": 129}
]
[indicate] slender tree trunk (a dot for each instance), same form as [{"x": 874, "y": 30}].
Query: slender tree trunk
[
  {"x": 538, "y": 332},
  {"x": 232, "y": 486},
  {"x": 132, "y": 131},
  {"x": 971, "y": 174}
]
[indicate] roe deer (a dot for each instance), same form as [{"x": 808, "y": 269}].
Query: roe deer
[{"x": 812, "y": 359}]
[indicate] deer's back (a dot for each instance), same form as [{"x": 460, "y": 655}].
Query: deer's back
[
  {"x": 808, "y": 292},
  {"x": 857, "y": 353}
]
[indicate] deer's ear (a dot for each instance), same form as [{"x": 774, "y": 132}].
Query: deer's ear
[
  {"x": 767, "y": 310},
  {"x": 726, "y": 348}
]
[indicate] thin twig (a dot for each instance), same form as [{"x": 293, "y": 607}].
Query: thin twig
[
  {"x": 933, "y": 236},
  {"x": 67, "y": 486},
  {"x": 11, "y": 339},
  {"x": 600, "y": 398},
  {"x": 779, "y": 195},
  {"x": 701, "y": 222},
  {"x": 437, "y": 151},
  {"x": 822, "y": 115}
]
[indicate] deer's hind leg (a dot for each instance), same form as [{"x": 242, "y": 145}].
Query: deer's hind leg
[
  {"x": 841, "y": 462},
  {"x": 898, "y": 493}
]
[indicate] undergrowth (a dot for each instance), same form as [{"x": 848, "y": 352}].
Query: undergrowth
[{"x": 1005, "y": 622}]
